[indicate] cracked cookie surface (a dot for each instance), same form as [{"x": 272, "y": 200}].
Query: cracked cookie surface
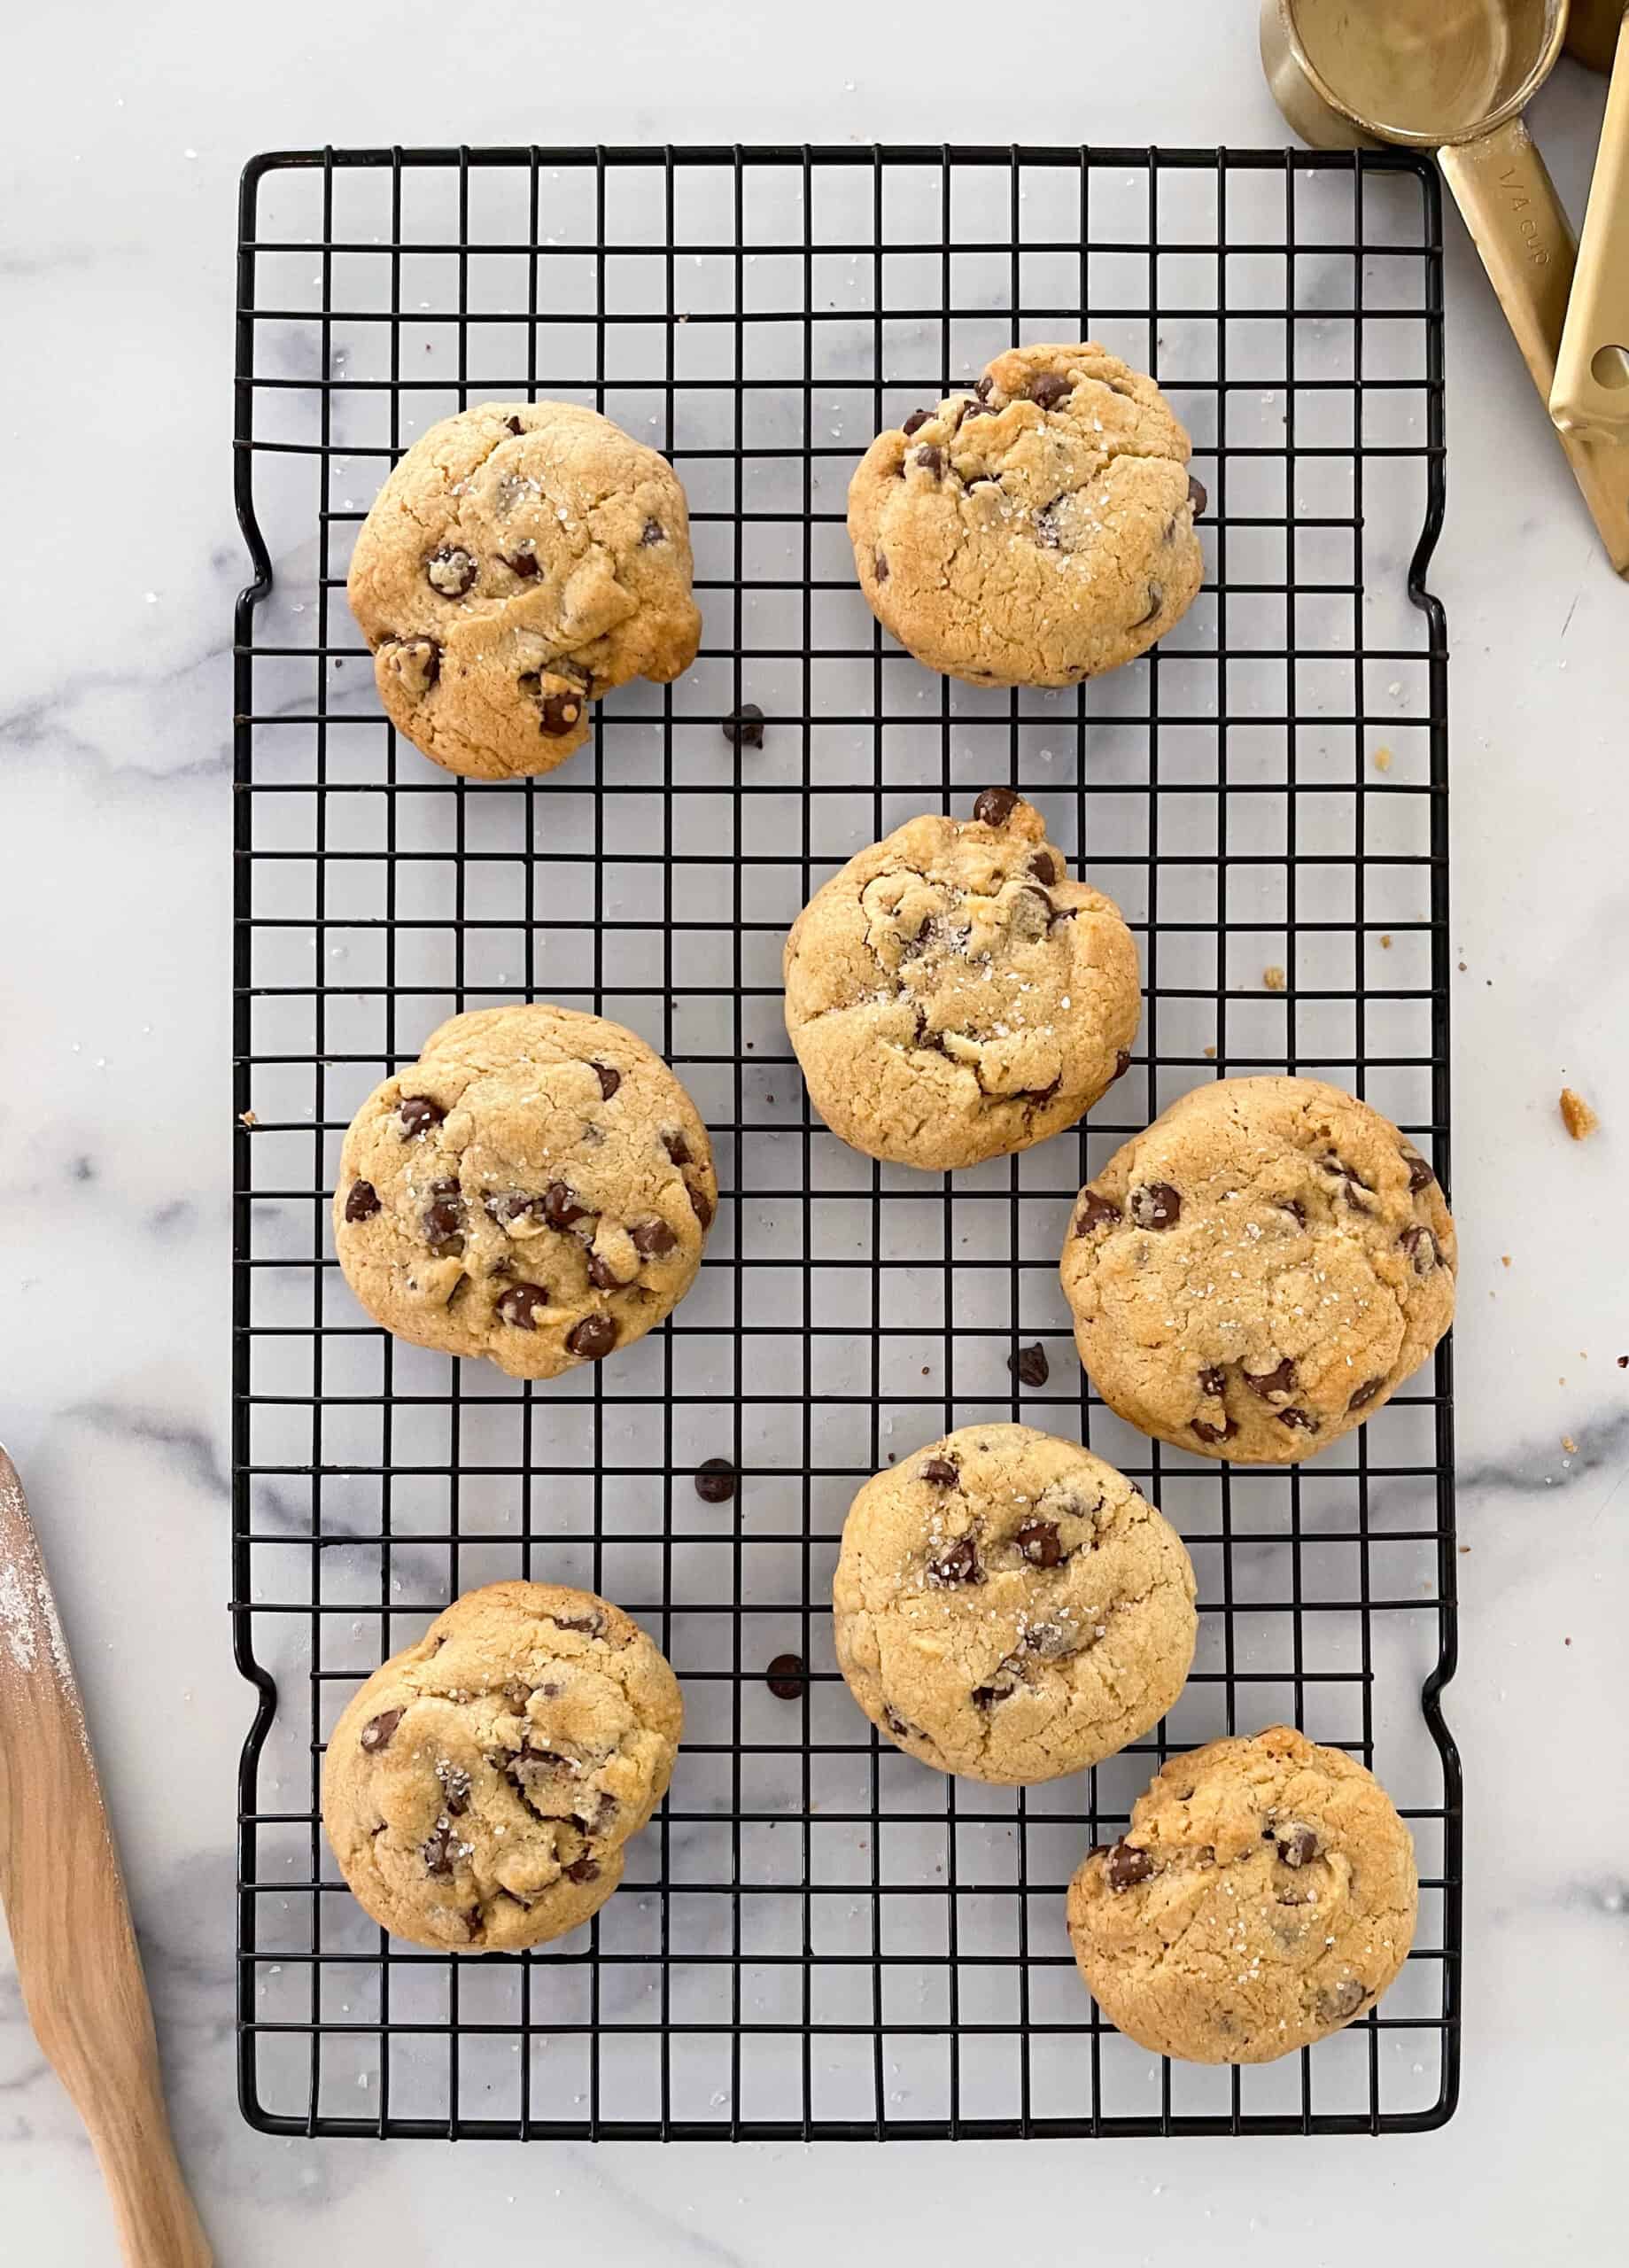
[
  {"x": 1036, "y": 531},
  {"x": 1258, "y": 1272},
  {"x": 1264, "y": 1895},
  {"x": 1009, "y": 1608},
  {"x": 952, "y": 995},
  {"x": 523, "y": 558},
  {"x": 479, "y": 1786},
  {"x": 536, "y": 1189}
]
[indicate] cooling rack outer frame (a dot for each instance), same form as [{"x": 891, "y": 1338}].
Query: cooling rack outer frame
[{"x": 1169, "y": 2118}]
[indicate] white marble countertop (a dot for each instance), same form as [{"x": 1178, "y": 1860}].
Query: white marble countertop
[{"x": 121, "y": 164}]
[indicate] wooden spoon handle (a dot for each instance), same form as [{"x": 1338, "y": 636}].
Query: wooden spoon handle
[{"x": 69, "y": 1918}]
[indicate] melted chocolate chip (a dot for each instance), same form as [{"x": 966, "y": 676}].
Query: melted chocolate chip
[
  {"x": 939, "y": 1472},
  {"x": 444, "y": 1220},
  {"x": 417, "y": 1113},
  {"x": 1268, "y": 1383},
  {"x": 701, "y": 1205},
  {"x": 1421, "y": 1247},
  {"x": 583, "y": 1869},
  {"x": 1297, "y": 1845},
  {"x": 363, "y": 1202},
  {"x": 879, "y": 564},
  {"x": 981, "y": 386},
  {"x": 1420, "y": 1175},
  {"x": 522, "y": 563},
  {"x": 378, "y": 1731},
  {"x": 715, "y": 1481},
  {"x": 652, "y": 1238},
  {"x": 977, "y": 409},
  {"x": 1047, "y": 389},
  {"x": 441, "y": 1849},
  {"x": 416, "y": 661},
  {"x": 985, "y": 1696},
  {"x": 915, "y": 422},
  {"x": 592, "y": 1339},
  {"x": 1029, "y": 1366},
  {"x": 1299, "y": 1421},
  {"x": 653, "y": 531},
  {"x": 958, "y": 1563},
  {"x": 454, "y": 1788},
  {"x": 1123, "y": 1062},
  {"x": 1197, "y": 496},
  {"x": 785, "y": 1676},
  {"x": 745, "y": 728},
  {"x": 561, "y": 713},
  {"x": 520, "y": 1303},
  {"x": 1365, "y": 1393},
  {"x": 1096, "y": 1212},
  {"x": 996, "y": 806},
  {"x": 560, "y": 1206},
  {"x": 514, "y": 425},
  {"x": 1223, "y": 1433},
  {"x": 602, "y": 1275},
  {"x": 505, "y": 1206},
  {"x": 931, "y": 458},
  {"x": 1043, "y": 867},
  {"x": 897, "y": 1726},
  {"x": 1126, "y": 1864},
  {"x": 610, "y": 1080},
  {"x": 451, "y": 572},
  {"x": 1040, "y": 1542},
  {"x": 1157, "y": 1205},
  {"x": 1212, "y": 1380},
  {"x": 677, "y": 1148},
  {"x": 1342, "y": 2001},
  {"x": 1156, "y": 600}
]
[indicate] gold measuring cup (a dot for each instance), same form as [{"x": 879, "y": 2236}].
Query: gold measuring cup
[
  {"x": 1454, "y": 75},
  {"x": 1591, "y": 394}
]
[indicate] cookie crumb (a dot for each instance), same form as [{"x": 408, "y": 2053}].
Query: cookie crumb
[
  {"x": 1386, "y": 944},
  {"x": 247, "y": 1118},
  {"x": 1504, "y": 1259},
  {"x": 1383, "y": 759},
  {"x": 1577, "y": 1117},
  {"x": 1569, "y": 1445},
  {"x": 1273, "y": 978},
  {"x": 1210, "y": 1054}
]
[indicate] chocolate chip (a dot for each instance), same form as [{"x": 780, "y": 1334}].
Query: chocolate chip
[
  {"x": 1366, "y": 1394},
  {"x": 1123, "y": 1062},
  {"x": 1223, "y": 1433},
  {"x": 523, "y": 563},
  {"x": 593, "y": 1338},
  {"x": 981, "y": 386},
  {"x": 1197, "y": 496},
  {"x": 610, "y": 1080},
  {"x": 1156, "y": 600},
  {"x": 450, "y": 571},
  {"x": 439, "y": 1851},
  {"x": 1295, "y": 1210},
  {"x": 1047, "y": 389},
  {"x": 1096, "y": 1212},
  {"x": 378, "y": 1731},
  {"x": 939, "y": 1472},
  {"x": 561, "y": 713},
  {"x": 560, "y": 1206},
  {"x": 653, "y": 531},
  {"x": 444, "y": 1220},
  {"x": 958, "y": 1562},
  {"x": 977, "y": 409},
  {"x": 701, "y": 1205},
  {"x": 1301, "y": 1421},
  {"x": 416, "y": 662},
  {"x": 455, "y": 1788},
  {"x": 915, "y": 422},
  {"x": 996, "y": 806},
  {"x": 931, "y": 458},
  {"x": 1040, "y": 1542},
  {"x": 1348, "y": 1174},
  {"x": 1297, "y": 1845},
  {"x": 418, "y": 1113},
  {"x": 1212, "y": 1380},
  {"x": 1157, "y": 1205},
  {"x": 785, "y": 1676},
  {"x": 745, "y": 728},
  {"x": 1125, "y": 1865},
  {"x": 1043, "y": 867},
  {"x": 985, "y": 1696},
  {"x": 363, "y": 1202},
  {"x": 715, "y": 1481},
  {"x": 509, "y": 1205},
  {"x": 677, "y": 1148},
  {"x": 1342, "y": 2001},
  {"x": 584, "y": 1870},
  {"x": 1029, "y": 1366},
  {"x": 1271, "y": 1382},
  {"x": 652, "y": 1238},
  {"x": 520, "y": 1303},
  {"x": 602, "y": 1275},
  {"x": 1421, "y": 1247},
  {"x": 897, "y": 1726},
  {"x": 880, "y": 564},
  {"x": 1420, "y": 1175}
]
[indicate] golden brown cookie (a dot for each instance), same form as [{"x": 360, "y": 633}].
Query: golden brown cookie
[
  {"x": 1036, "y": 531},
  {"x": 1259, "y": 1271},
  {"x": 536, "y": 1188},
  {"x": 1008, "y": 1607},
  {"x": 951, "y": 995},
  {"x": 1263, "y": 1895},
  {"x": 478, "y": 1788},
  {"x": 523, "y": 558}
]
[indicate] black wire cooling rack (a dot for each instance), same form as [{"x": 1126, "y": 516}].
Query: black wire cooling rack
[{"x": 819, "y": 1938}]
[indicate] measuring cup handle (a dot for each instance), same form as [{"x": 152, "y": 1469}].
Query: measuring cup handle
[
  {"x": 1591, "y": 394},
  {"x": 1518, "y": 225}
]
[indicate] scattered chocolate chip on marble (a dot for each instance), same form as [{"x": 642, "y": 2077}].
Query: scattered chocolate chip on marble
[
  {"x": 784, "y": 1677},
  {"x": 1029, "y": 1366},
  {"x": 715, "y": 1481},
  {"x": 745, "y": 728}
]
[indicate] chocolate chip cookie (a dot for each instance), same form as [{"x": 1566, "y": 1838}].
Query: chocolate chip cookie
[
  {"x": 1263, "y": 1895},
  {"x": 1008, "y": 1607},
  {"x": 952, "y": 995},
  {"x": 535, "y": 1189},
  {"x": 1035, "y": 530},
  {"x": 479, "y": 1786},
  {"x": 1259, "y": 1271},
  {"x": 523, "y": 558}
]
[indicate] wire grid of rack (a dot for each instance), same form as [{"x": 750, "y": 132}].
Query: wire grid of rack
[{"x": 818, "y": 1937}]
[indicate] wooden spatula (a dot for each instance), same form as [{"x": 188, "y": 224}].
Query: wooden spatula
[{"x": 69, "y": 1918}]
